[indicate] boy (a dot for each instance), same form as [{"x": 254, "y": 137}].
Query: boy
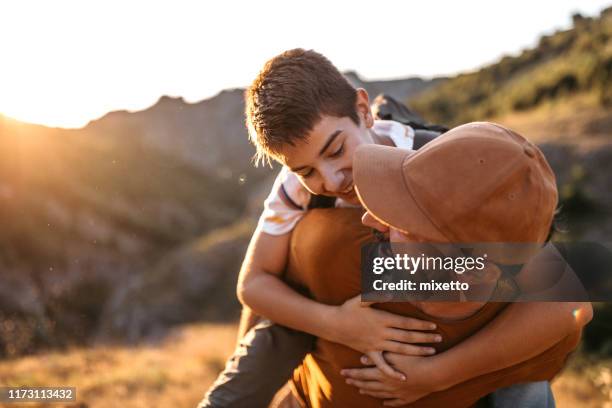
[
  {"x": 303, "y": 113},
  {"x": 293, "y": 91}
]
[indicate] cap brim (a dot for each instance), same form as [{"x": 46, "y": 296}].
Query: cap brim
[{"x": 380, "y": 185}]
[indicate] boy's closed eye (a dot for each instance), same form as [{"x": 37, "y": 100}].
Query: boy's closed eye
[
  {"x": 307, "y": 174},
  {"x": 338, "y": 151}
]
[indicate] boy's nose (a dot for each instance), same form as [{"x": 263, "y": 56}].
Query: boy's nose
[{"x": 333, "y": 181}]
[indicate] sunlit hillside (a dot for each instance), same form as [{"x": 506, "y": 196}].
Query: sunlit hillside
[
  {"x": 89, "y": 216},
  {"x": 565, "y": 64}
]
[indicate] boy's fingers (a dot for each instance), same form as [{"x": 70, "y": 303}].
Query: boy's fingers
[
  {"x": 378, "y": 359},
  {"x": 369, "y": 385},
  {"x": 408, "y": 349},
  {"x": 367, "y": 374},
  {"x": 393, "y": 358},
  {"x": 409, "y": 336},
  {"x": 365, "y": 360},
  {"x": 409, "y": 323}
]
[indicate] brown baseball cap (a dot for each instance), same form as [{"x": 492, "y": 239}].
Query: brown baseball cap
[{"x": 479, "y": 182}]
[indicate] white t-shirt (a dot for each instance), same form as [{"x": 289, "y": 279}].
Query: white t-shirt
[{"x": 289, "y": 199}]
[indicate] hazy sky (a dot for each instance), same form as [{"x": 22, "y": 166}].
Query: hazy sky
[{"x": 64, "y": 63}]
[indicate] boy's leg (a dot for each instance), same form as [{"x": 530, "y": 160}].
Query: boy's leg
[
  {"x": 527, "y": 395},
  {"x": 262, "y": 363},
  {"x": 286, "y": 399}
]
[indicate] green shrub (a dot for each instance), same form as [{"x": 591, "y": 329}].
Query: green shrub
[{"x": 567, "y": 62}]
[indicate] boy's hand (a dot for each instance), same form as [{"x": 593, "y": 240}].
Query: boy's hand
[
  {"x": 421, "y": 379},
  {"x": 377, "y": 358},
  {"x": 373, "y": 331}
]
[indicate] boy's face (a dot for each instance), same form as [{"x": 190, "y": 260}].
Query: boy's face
[{"x": 323, "y": 161}]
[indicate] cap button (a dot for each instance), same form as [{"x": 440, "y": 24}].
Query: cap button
[{"x": 529, "y": 151}]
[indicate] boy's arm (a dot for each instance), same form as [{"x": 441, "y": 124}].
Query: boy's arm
[
  {"x": 261, "y": 290},
  {"x": 248, "y": 319},
  {"x": 361, "y": 328}
]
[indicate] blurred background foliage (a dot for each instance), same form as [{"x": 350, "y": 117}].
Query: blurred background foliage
[{"x": 561, "y": 65}]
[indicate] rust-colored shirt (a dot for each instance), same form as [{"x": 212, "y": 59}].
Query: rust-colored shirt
[{"x": 324, "y": 261}]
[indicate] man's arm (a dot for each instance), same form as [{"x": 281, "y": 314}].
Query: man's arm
[{"x": 520, "y": 332}]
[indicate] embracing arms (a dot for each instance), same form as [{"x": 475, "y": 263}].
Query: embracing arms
[
  {"x": 261, "y": 288},
  {"x": 521, "y": 332}
]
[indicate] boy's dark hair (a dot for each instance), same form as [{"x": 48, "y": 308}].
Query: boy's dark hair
[{"x": 289, "y": 96}]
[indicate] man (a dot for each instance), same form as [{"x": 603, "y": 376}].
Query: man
[{"x": 503, "y": 191}]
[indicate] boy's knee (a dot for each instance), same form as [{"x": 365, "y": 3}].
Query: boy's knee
[
  {"x": 278, "y": 342},
  {"x": 262, "y": 363}
]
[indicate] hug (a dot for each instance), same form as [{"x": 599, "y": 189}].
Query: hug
[{"x": 349, "y": 179}]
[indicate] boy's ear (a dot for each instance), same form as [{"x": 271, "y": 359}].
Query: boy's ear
[{"x": 362, "y": 105}]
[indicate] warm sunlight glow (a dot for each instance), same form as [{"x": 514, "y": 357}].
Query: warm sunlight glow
[{"x": 67, "y": 62}]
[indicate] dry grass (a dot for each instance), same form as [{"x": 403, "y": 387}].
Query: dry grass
[
  {"x": 177, "y": 371},
  {"x": 584, "y": 384}
]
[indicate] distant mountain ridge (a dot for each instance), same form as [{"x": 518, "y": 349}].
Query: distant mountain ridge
[{"x": 401, "y": 89}]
